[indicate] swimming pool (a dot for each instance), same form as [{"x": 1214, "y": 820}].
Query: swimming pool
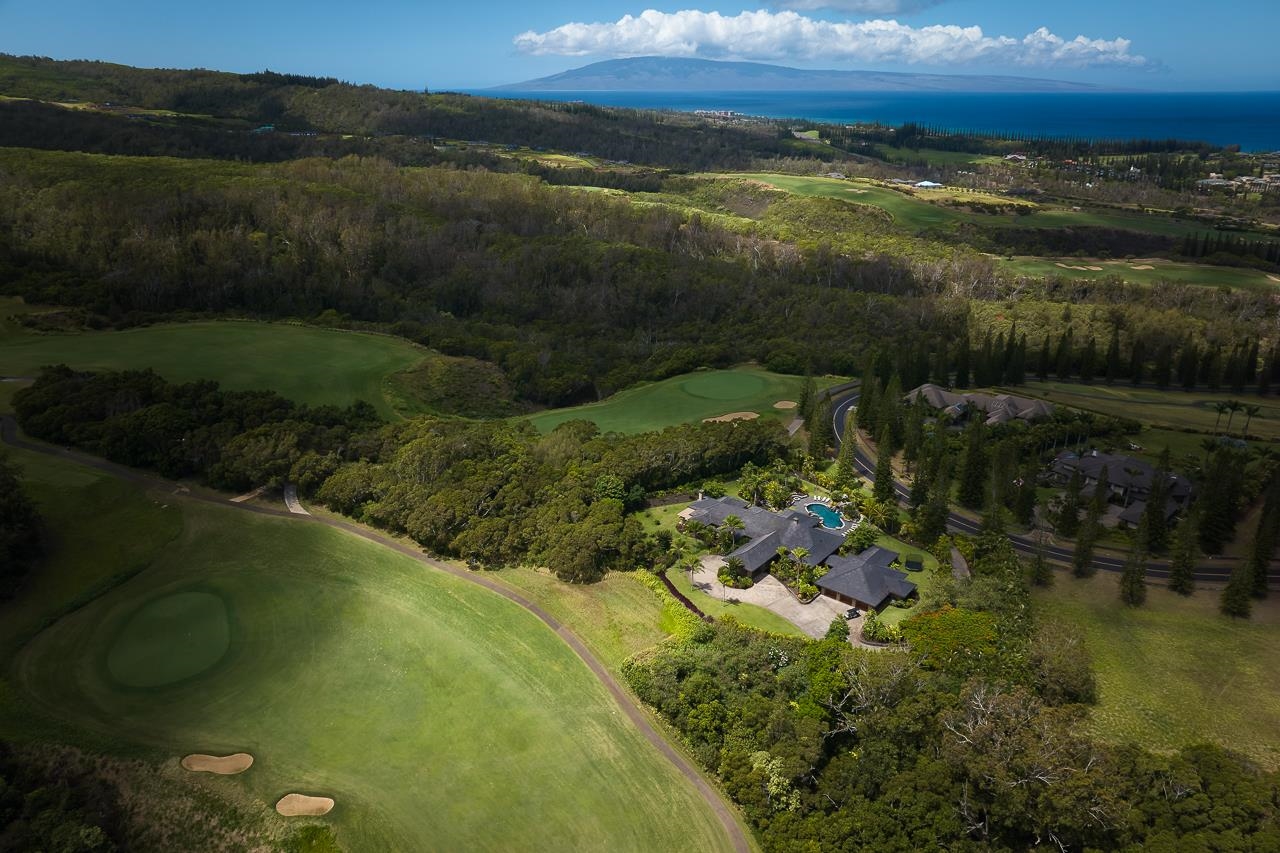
[{"x": 829, "y": 517}]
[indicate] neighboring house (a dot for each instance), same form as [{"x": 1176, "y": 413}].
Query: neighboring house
[
  {"x": 866, "y": 580},
  {"x": 999, "y": 408},
  {"x": 1129, "y": 481},
  {"x": 766, "y": 531}
]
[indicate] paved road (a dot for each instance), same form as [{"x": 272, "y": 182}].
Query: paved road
[
  {"x": 1217, "y": 571},
  {"x": 629, "y": 705}
]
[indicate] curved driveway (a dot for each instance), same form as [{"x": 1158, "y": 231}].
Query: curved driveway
[
  {"x": 628, "y": 703},
  {"x": 1219, "y": 571}
]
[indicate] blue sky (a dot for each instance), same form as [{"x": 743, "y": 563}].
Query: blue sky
[{"x": 1171, "y": 45}]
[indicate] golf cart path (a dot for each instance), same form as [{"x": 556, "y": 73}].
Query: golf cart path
[{"x": 629, "y": 705}]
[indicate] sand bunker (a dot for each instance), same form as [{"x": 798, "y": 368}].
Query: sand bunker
[
  {"x": 223, "y": 765},
  {"x": 300, "y": 805},
  {"x": 785, "y": 404},
  {"x": 1081, "y": 269},
  {"x": 1141, "y": 267},
  {"x": 732, "y": 416},
  {"x": 1272, "y": 277},
  {"x": 1094, "y": 269}
]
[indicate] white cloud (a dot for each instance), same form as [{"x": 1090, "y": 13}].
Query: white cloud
[
  {"x": 790, "y": 36},
  {"x": 860, "y": 7}
]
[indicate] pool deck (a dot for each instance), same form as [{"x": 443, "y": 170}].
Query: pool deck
[{"x": 802, "y": 503}]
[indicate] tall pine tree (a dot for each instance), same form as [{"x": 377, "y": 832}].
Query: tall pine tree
[
  {"x": 1133, "y": 583},
  {"x": 882, "y": 489},
  {"x": 972, "y": 486},
  {"x": 1182, "y": 564},
  {"x": 1113, "y": 356}
]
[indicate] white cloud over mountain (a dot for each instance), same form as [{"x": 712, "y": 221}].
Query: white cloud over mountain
[{"x": 787, "y": 35}]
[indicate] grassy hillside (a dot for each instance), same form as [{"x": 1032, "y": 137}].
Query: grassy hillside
[
  {"x": 1145, "y": 271},
  {"x": 426, "y": 707},
  {"x": 303, "y": 363},
  {"x": 685, "y": 399},
  {"x": 1174, "y": 409},
  {"x": 1175, "y": 671}
]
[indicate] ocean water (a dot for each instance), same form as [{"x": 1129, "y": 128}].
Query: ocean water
[{"x": 1248, "y": 119}]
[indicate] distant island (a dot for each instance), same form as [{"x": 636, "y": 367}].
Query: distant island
[{"x": 657, "y": 74}]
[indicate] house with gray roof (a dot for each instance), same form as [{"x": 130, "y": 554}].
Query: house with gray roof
[
  {"x": 1129, "y": 479},
  {"x": 998, "y": 408},
  {"x": 863, "y": 580},
  {"x": 767, "y": 531},
  {"x": 866, "y": 580}
]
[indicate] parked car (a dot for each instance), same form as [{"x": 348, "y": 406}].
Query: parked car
[{"x": 852, "y": 613}]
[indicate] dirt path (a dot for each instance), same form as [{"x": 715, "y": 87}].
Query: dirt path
[{"x": 629, "y": 705}]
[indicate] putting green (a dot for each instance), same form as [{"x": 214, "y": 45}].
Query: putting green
[
  {"x": 723, "y": 385},
  {"x": 170, "y": 639}
]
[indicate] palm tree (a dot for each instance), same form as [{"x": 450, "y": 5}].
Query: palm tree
[
  {"x": 1249, "y": 411},
  {"x": 1220, "y": 408},
  {"x": 1233, "y": 406},
  {"x": 731, "y": 525}
]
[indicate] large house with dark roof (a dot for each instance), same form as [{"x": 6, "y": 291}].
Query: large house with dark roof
[
  {"x": 864, "y": 580},
  {"x": 997, "y": 408},
  {"x": 767, "y": 531},
  {"x": 1129, "y": 482}
]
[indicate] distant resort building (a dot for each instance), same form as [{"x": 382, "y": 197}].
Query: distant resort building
[
  {"x": 865, "y": 580},
  {"x": 999, "y": 408}
]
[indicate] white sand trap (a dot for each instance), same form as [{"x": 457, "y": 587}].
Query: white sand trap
[
  {"x": 1273, "y": 278},
  {"x": 301, "y": 805},
  {"x": 785, "y": 404},
  {"x": 1069, "y": 267},
  {"x": 1141, "y": 267},
  {"x": 732, "y": 416},
  {"x": 223, "y": 765},
  {"x": 1093, "y": 269}
]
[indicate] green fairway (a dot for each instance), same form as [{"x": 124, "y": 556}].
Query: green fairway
[
  {"x": 688, "y": 398},
  {"x": 917, "y": 214},
  {"x": 1175, "y": 671},
  {"x": 933, "y": 157},
  {"x": 1144, "y": 271},
  {"x": 438, "y": 716},
  {"x": 906, "y": 211},
  {"x": 1163, "y": 409},
  {"x": 303, "y": 363}
]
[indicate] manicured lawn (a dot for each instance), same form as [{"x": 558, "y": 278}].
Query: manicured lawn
[
  {"x": 1144, "y": 271},
  {"x": 303, "y": 363},
  {"x": 616, "y": 617},
  {"x": 748, "y": 614},
  {"x": 688, "y": 398},
  {"x": 1169, "y": 409},
  {"x": 1176, "y": 672},
  {"x": 436, "y": 714},
  {"x": 931, "y": 156}
]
